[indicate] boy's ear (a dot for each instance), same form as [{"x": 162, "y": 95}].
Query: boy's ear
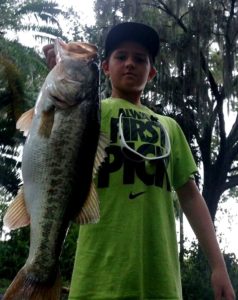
[
  {"x": 105, "y": 67},
  {"x": 152, "y": 73}
]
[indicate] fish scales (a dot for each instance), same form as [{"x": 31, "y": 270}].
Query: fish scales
[
  {"x": 60, "y": 172},
  {"x": 58, "y": 166}
]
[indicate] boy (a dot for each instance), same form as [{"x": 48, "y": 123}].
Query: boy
[{"x": 132, "y": 252}]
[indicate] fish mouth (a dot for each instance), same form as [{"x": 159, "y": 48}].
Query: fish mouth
[{"x": 81, "y": 50}]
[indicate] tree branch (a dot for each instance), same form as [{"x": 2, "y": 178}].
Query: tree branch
[
  {"x": 233, "y": 135},
  {"x": 219, "y": 96},
  {"x": 231, "y": 15},
  {"x": 232, "y": 182},
  {"x": 214, "y": 87},
  {"x": 154, "y": 5},
  {"x": 234, "y": 152},
  {"x": 162, "y": 6},
  {"x": 234, "y": 169}
]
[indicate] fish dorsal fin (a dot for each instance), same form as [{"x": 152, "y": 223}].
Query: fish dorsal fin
[
  {"x": 90, "y": 210},
  {"x": 24, "y": 122},
  {"x": 17, "y": 215}
]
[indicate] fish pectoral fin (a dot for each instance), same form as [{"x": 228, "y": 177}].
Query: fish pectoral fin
[
  {"x": 90, "y": 211},
  {"x": 17, "y": 215},
  {"x": 46, "y": 123},
  {"x": 24, "y": 122},
  {"x": 101, "y": 153}
]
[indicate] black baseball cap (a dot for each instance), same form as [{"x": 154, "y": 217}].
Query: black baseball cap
[{"x": 132, "y": 31}]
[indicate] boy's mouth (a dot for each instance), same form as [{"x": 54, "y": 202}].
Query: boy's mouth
[{"x": 129, "y": 74}]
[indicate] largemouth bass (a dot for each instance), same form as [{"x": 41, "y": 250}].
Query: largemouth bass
[{"x": 62, "y": 153}]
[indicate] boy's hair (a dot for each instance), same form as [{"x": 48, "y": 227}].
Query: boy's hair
[{"x": 136, "y": 32}]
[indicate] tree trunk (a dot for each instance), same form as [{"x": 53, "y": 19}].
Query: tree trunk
[
  {"x": 214, "y": 180},
  {"x": 212, "y": 198}
]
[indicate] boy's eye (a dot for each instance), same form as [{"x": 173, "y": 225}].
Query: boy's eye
[
  {"x": 140, "y": 59},
  {"x": 121, "y": 57},
  {"x": 136, "y": 58}
]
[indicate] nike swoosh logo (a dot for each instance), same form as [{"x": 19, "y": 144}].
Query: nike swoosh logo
[{"x": 135, "y": 195}]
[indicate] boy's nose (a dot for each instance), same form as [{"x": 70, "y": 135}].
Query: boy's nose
[{"x": 130, "y": 62}]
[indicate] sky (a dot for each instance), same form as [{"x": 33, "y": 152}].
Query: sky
[{"x": 83, "y": 7}]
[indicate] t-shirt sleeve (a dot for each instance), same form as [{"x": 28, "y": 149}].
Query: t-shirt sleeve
[{"x": 183, "y": 164}]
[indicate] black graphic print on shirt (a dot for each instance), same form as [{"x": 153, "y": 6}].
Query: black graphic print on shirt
[{"x": 142, "y": 133}]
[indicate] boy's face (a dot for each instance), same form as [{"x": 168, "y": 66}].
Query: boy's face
[{"x": 129, "y": 69}]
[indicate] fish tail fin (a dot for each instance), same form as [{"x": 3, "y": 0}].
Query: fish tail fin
[{"x": 26, "y": 286}]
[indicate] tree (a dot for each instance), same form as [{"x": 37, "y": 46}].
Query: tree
[
  {"x": 20, "y": 81},
  {"x": 14, "y": 15},
  {"x": 197, "y": 78},
  {"x": 22, "y": 72}
]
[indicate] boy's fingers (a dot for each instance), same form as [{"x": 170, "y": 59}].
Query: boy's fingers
[
  {"x": 222, "y": 286},
  {"x": 217, "y": 294},
  {"x": 224, "y": 294},
  {"x": 48, "y": 47},
  {"x": 49, "y": 55}
]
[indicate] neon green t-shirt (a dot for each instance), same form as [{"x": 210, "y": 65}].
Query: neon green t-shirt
[{"x": 132, "y": 252}]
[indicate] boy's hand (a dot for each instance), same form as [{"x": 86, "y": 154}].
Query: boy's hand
[
  {"x": 222, "y": 286},
  {"x": 50, "y": 55},
  {"x": 195, "y": 208}
]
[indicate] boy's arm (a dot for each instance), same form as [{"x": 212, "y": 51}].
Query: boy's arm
[{"x": 196, "y": 211}]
